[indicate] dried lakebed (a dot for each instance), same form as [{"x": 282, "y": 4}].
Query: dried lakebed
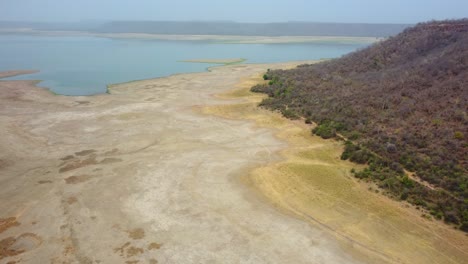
[{"x": 163, "y": 171}]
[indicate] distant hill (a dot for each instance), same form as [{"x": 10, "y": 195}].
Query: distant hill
[
  {"x": 220, "y": 28},
  {"x": 253, "y": 29},
  {"x": 403, "y": 104}
]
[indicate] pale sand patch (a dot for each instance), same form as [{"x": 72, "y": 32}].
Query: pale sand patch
[
  {"x": 173, "y": 177},
  {"x": 217, "y": 61},
  {"x": 228, "y": 39},
  {"x": 175, "y": 180},
  {"x": 12, "y": 73},
  {"x": 247, "y": 39}
]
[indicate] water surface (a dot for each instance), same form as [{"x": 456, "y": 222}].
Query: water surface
[{"x": 86, "y": 65}]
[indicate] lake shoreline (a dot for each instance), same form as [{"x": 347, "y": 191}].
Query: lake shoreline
[
  {"x": 12, "y": 73},
  {"x": 86, "y": 65},
  {"x": 161, "y": 150},
  {"x": 228, "y": 39},
  {"x": 139, "y": 168}
]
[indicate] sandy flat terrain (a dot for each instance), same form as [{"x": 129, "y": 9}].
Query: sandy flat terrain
[
  {"x": 247, "y": 39},
  {"x": 139, "y": 176},
  {"x": 162, "y": 171},
  {"x": 12, "y": 73},
  {"x": 217, "y": 61},
  {"x": 214, "y": 38}
]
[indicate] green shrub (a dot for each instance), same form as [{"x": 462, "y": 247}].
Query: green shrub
[
  {"x": 404, "y": 195},
  {"x": 324, "y": 131},
  {"x": 407, "y": 182},
  {"x": 464, "y": 226},
  {"x": 354, "y": 135},
  {"x": 288, "y": 113},
  {"x": 361, "y": 156},
  {"x": 327, "y": 129},
  {"x": 459, "y": 135},
  {"x": 350, "y": 148}
]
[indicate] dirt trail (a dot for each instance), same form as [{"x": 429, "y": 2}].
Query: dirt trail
[{"x": 138, "y": 176}]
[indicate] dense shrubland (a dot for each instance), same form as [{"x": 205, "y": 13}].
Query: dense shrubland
[{"x": 401, "y": 104}]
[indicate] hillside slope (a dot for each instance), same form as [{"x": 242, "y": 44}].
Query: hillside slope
[{"x": 402, "y": 103}]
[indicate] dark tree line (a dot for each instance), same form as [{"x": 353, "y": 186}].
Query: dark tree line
[{"x": 402, "y": 103}]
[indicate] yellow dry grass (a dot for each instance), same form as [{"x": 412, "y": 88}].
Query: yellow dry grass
[{"x": 312, "y": 183}]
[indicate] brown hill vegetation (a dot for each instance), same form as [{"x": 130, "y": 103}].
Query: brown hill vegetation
[{"x": 402, "y": 104}]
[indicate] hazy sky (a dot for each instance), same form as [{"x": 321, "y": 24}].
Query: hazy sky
[{"x": 370, "y": 11}]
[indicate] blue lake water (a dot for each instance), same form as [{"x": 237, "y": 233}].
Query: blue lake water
[{"x": 86, "y": 65}]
